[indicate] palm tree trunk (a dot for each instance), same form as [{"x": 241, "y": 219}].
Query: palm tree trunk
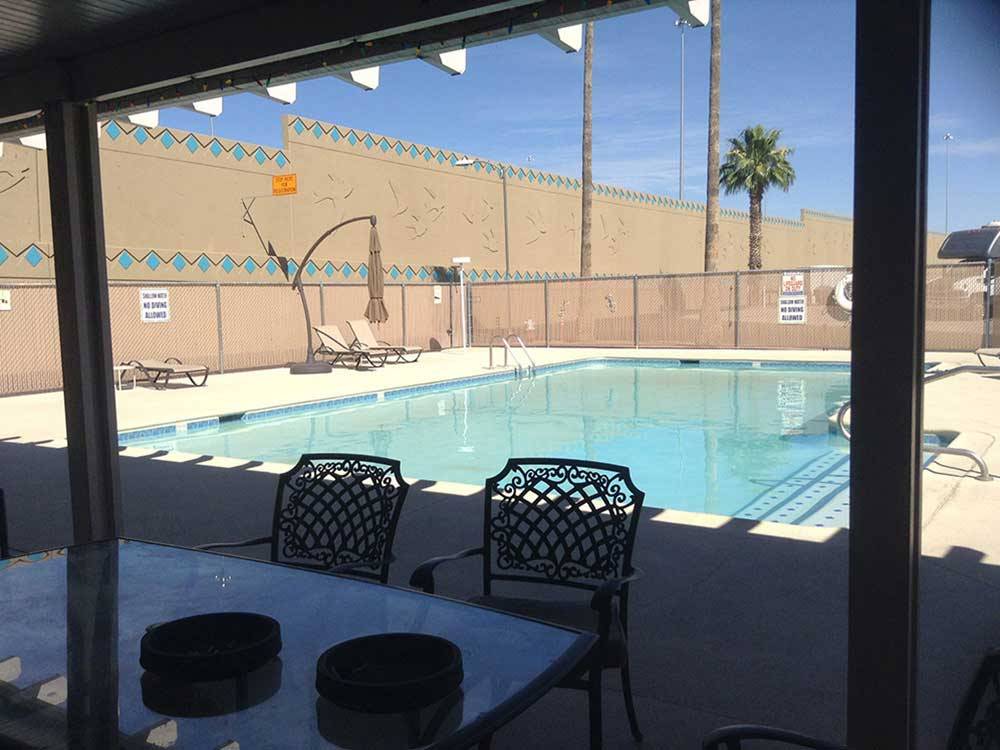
[
  {"x": 712, "y": 186},
  {"x": 756, "y": 199},
  {"x": 588, "y": 136}
]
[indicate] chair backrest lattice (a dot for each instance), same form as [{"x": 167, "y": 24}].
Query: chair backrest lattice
[
  {"x": 334, "y": 508},
  {"x": 559, "y": 521}
]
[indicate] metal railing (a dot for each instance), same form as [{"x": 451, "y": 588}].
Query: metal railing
[
  {"x": 983, "y": 469},
  {"x": 519, "y": 367}
]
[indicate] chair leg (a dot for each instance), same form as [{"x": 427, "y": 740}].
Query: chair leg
[
  {"x": 629, "y": 704},
  {"x": 594, "y": 695}
]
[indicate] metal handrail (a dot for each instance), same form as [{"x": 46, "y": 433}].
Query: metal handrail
[
  {"x": 508, "y": 351},
  {"x": 984, "y": 472},
  {"x": 526, "y": 352}
]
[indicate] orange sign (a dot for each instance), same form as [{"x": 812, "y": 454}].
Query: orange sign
[{"x": 284, "y": 184}]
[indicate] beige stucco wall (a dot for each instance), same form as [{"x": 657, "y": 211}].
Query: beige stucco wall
[{"x": 173, "y": 203}]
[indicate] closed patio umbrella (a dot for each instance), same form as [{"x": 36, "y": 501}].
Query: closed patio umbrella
[{"x": 375, "y": 311}]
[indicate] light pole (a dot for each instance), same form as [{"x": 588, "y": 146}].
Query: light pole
[
  {"x": 460, "y": 262},
  {"x": 681, "y": 24},
  {"x": 948, "y": 138},
  {"x": 503, "y": 180}
]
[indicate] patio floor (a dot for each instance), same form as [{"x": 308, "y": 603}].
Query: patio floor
[{"x": 735, "y": 621}]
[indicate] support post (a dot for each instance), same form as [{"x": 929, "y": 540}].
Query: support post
[
  {"x": 218, "y": 327},
  {"x": 402, "y": 305},
  {"x": 322, "y": 305},
  {"x": 887, "y": 340},
  {"x": 84, "y": 320},
  {"x": 635, "y": 311},
  {"x": 545, "y": 298},
  {"x": 736, "y": 310},
  {"x": 988, "y": 304}
]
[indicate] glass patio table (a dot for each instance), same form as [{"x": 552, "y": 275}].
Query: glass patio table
[{"x": 72, "y": 620}]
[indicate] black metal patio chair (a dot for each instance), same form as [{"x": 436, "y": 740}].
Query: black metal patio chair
[
  {"x": 335, "y": 512},
  {"x": 976, "y": 726},
  {"x": 567, "y": 523}
]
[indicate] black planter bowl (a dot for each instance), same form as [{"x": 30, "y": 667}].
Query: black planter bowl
[
  {"x": 210, "y": 647},
  {"x": 389, "y": 672}
]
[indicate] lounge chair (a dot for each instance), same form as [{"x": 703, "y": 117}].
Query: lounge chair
[
  {"x": 364, "y": 339},
  {"x": 154, "y": 369},
  {"x": 987, "y": 352},
  {"x": 334, "y": 349}
]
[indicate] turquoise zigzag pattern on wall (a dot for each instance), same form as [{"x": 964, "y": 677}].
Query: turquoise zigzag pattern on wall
[
  {"x": 169, "y": 139},
  {"x": 361, "y": 139},
  {"x": 32, "y": 254},
  {"x": 267, "y": 268}
]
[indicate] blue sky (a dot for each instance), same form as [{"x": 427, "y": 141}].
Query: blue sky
[{"x": 789, "y": 66}]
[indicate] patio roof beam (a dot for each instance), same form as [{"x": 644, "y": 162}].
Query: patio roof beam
[
  {"x": 887, "y": 341},
  {"x": 84, "y": 320}
]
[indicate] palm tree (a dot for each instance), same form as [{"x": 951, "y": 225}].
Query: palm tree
[
  {"x": 754, "y": 163},
  {"x": 712, "y": 186},
  {"x": 588, "y": 135}
]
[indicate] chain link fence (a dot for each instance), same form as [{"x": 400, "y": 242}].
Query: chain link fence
[
  {"x": 242, "y": 326},
  {"x": 236, "y": 326},
  {"x": 716, "y": 311}
]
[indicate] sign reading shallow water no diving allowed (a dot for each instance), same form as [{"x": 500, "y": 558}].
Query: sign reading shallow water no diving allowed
[
  {"x": 154, "y": 305},
  {"x": 792, "y": 300}
]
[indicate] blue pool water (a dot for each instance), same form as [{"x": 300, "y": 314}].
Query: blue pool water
[{"x": 733, "y": 440}]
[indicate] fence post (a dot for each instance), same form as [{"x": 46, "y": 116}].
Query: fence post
[
  {"x": 635, "y": 310},
  {"x": 322, "y": 305},
  {"x": 736, "y": 310},
  {"x": 218, "y": 327},
  {"x": 987, "y": 302},
  {"x": 545, "y": 309},
  {"x": 402, "y": 304}
]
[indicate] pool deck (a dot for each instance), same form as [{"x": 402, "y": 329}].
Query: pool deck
[{"x": 735, "y": 621}]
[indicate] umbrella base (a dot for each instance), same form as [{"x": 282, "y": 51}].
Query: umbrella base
[{"x": 310, "y": 368}]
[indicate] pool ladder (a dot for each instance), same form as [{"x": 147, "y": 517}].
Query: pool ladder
[
  {"x": 520, "y": 368},
  {"x": 983, "y": 469}
]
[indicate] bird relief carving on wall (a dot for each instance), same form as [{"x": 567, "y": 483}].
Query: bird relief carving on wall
[
  {"x": 11, "y": 178},
  {"x": 538, "y": 226},
  {"x": 615, "y": 233},
  {"x": 421, "y": 212},
  {"x": 480, "y": 216},
  {"x": 335, "y": 194}
]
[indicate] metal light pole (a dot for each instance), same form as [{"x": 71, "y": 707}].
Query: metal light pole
[
  {"x": 503, "y": 178},
  {"x": 460, "y": 262},
  {"x": 948, "y": 138},
  {"x": 681, "y": 24}
]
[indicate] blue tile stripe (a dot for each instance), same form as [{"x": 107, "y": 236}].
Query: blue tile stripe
[
  {"x": 193, "y": 143},
  {"x": 157, "y": 432},
  {"x": 298, "y": 410},
  {"x": 408, "y": 151}
]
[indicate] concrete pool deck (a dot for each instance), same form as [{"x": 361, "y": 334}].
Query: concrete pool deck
[{"x": 735, "y": 621}]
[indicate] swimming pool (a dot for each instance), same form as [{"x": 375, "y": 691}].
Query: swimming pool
[{"x": 735, "y": 439}]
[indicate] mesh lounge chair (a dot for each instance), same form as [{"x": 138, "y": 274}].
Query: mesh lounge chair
[
  {"x": 975, "y": 725},
  {"x": 563, "y": 522},
  {"x": 364, "y": 339},
  {"x": 980, "y": 353},
  {"x": 333, "y": 349},
  {"x": 154, "y": 369},
  {"x": 335, "y": 512}
]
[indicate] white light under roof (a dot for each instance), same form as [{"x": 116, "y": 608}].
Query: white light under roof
[
  {"x": 149, "y": 119},
  {"x": 453, "y": 62},
  {"x": 363, "y": 78}
]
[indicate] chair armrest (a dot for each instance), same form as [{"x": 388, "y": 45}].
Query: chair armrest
[
  {"x": 729, "y": 738},
  {"x": 601, "y": 600},
  {"x": 423, "y": 576},
  {"x": 174, "y": 360},
  {"x": 230, "y": 545}
]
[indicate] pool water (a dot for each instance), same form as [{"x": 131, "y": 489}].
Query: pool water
[{"x": 753, "y": 442}]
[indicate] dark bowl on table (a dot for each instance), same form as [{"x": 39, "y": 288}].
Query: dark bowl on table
[
  {"x": 209, "y": 647},
  {"x": 389, "y": 672}
]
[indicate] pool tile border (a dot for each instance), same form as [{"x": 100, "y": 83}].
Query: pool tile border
[{"x": 394, "y": 394}]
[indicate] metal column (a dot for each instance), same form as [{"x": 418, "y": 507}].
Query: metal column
[
  {"x": 887, "y": 340},
  {"x": 84, "y": 320},
  {"x": 988, "y": 304},
  {"x": 218, "y": 327},
  {"x": 322, "y": 305},
  {"x": 545, "y": 304},
  {"x": 635, "y": 311},
  {"x": 736, "y": 310},
  {"x": 402, "y": 305}
]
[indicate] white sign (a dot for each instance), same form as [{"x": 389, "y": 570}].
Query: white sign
[
  {"x": 437, "y": 294},
  {"x": 792, "y": 300},
  {"x": 5, "y": 300},
  {"x": 154, "y": 305}
]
